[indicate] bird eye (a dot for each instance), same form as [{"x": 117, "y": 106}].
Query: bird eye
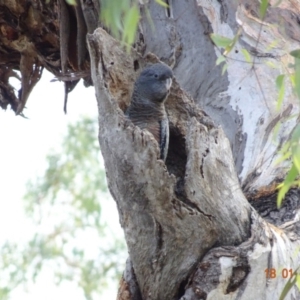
[{"x": 155, "y": 75}]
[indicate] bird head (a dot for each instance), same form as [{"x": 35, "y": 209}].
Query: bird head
[{"x": 154, "y": 83}]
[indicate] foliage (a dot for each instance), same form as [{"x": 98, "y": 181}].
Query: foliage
[
  {"x": 69, "y": 234},
  {"x": 122, "y": 18},
  {"x": 290, "y": 150},
  {"x": 71, "y": 2},
  {"x": 295, "y": 279}
]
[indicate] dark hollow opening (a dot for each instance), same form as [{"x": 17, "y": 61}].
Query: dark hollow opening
[
  {"x": 182, "y": 288},
  {"x": 136, "y": 65},
  {"x": 176, "y": 158},
  {"x": 267, "y": 208}
]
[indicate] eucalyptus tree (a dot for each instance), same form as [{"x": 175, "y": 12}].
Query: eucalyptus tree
[{"x": 205, "y": 224}]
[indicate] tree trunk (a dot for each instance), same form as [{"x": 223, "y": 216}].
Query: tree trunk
[
  {"x": 203, "y": 225},
  {"x": 190, "y": 230}
]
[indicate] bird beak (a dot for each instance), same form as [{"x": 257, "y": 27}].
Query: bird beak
[{"x": 168, "y": 83}]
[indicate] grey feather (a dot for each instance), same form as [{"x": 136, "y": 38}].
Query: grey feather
[{"x": 147, "y": 109}]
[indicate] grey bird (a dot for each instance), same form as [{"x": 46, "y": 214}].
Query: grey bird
[{"x": 147, "y": 108}]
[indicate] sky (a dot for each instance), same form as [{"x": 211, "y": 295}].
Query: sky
[{"x": 24, "y": 144}]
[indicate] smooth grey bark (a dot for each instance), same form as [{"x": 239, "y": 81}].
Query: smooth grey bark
[{"x": 243, "y": 100}]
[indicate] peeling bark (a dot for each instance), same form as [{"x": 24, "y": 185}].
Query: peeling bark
[
  {"x": 241, "y": 101},
  {"x": 188, "y": 214},
  {"x": 240, "y": 272}
]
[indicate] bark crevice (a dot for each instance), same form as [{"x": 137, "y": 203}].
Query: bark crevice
[{"x": 164, "y": 208}]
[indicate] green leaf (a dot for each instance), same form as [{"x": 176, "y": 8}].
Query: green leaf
[
  {"x": 224, "y": 69},
  {"x": 111, "y": 16},
  {"x": 292, "y": 79},
  {"x": 246, "y": 55},
  {"x": 121, "y": 17},
  {"x": 296, "y": 147},
  {"x": 162, "y": 3},
  {"x": 263, "y": 8},
  {"x": 232, "y": 44},
  {"x": 281, "y": 194},
  {"x": 286, "y": 147},
  {"x": 285, "y": 186},
  {"x": 279, "y": 81},
  {"x": 71, "y": 2},
  {"x": 290, "y": 283},
  {"x": 276, "y": 131},
  {"x": 130, "y": 25},
  {"x": 271, "y": 64},
  {"x": 220, "y": 59},
  {"x": 295, "y": 53},
  {"x": 220, "y": 41},
  {"x": 285, "y": 152},
  {"x": 296, "y": 158},
  {"x": 287, "y": 155},
  {"x": 298, "y": 281},
  {"x": 272, "y": 45},
  {"x": 290, "y": 177},
  {"x": 296, "y": 135},
  {"x": 297, "y": 77},
  {"x": 281, "y": 89}
]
